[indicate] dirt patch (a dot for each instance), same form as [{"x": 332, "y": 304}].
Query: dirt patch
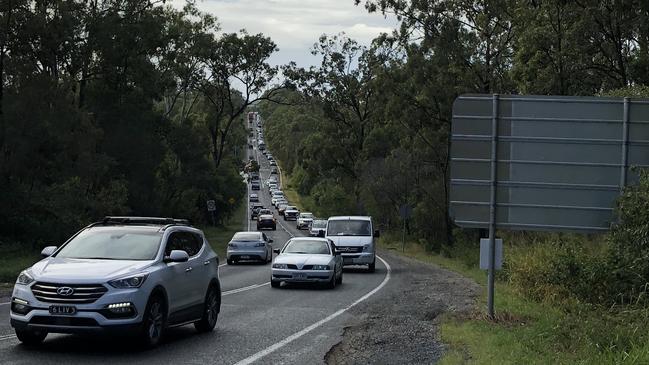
[{"x": 399, "y": 326}]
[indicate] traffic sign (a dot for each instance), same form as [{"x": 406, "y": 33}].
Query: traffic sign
[{"x": 211, "y": 205}]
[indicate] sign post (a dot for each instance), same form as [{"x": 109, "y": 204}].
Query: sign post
[
  {"x": 543, "y": 163},
  {"x": 405, "y": 211},
  {"x": 211, "y": 208}
]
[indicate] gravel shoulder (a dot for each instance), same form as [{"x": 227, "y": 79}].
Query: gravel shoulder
[{"x": 400, "y": 326}]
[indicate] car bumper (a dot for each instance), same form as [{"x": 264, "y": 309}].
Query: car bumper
[
  {"x": 361, "y": 258},
  {"x": 302, "y": 276},
  {"x": 290, "y": 217},
  {"x": 266, "y": 225},
  {"x": 92, "y": 317},
  {"x": 247, "y": 254}
]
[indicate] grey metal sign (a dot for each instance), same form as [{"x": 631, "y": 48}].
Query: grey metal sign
[
  {"x": 211, "y": 205},
  {"x": 555, "y": 163}
]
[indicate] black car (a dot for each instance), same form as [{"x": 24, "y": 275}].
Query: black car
[
  {"x": 254, "y": 210},
  {"x": 266, "y": 221}
]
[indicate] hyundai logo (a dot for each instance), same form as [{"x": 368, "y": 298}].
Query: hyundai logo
[{"x": 65, "y": 291}]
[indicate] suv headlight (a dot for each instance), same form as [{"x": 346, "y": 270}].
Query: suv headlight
[
  {"x": 24, "y": 278},
  {"x": 129, "y": 282},
  {"x": 321, "y": 267},
  {"x": 280, "y": 266}
]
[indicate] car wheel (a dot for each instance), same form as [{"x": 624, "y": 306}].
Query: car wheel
[
  {"x": 340, "y": 279},
  {"x": 154, "y": 322},
  {"x": 270, "y": 258},
  {"x": 31, "y": 338},
  {"x": 332, "y": 283},
  {"x": 371, "y": 267},
  {"x": 274, "y": 283},
  {"x": 211, "y": 310},
  {"x": 274, "y": 228},
  {"x": 230, "y": 262}
]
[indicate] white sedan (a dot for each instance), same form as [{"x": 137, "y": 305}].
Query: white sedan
[{"x": 307, "y": 260}]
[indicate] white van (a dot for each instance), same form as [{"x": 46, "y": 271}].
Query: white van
[{"x": 354, "y": 239}]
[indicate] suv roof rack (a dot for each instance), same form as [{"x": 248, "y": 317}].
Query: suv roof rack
[{"x": 112, "y": 220}]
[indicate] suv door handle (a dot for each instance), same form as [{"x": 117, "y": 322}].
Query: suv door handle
[
  {"x": 206, "y": 262},
  {"x": 188, "y": 269}
]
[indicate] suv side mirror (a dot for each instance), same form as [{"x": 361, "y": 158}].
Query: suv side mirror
[
  {"x": 177, "y": 256},
  {"x": 377, "y": 234},
  {"x": 270, "y": 240},
  {"x": 321, "y": 233},
  {"x": 48, "y": 251}
]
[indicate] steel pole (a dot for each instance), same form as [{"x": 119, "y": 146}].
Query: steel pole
[{"x": 492, "y": 208}]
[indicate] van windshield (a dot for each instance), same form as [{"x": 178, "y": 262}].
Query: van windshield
[{"x": 349, "y": 228}]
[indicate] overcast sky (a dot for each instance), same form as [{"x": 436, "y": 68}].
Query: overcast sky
[{"x": 295, "y": 25}]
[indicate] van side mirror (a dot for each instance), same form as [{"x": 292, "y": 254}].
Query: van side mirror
[
  {"x": 177, "y": 256},
  {"x": 276, "y": 250},
  {"x": 48, "y": 251},
  {"x": 270, "y": 240},
  {"x": 321, "y": 233},
  {"x": 377, "y": 234}
]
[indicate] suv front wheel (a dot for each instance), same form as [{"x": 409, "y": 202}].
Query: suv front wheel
[
  {"x": 154, "y": 321},
  {"x": 210, "y": 310},
  {"x": 31, "y": 338}
]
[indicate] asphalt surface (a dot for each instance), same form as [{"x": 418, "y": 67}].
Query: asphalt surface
[{"x": 257, "y": 324}]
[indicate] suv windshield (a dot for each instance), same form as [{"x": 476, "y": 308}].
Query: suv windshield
[
  {"x": 349, "y": 228},
  {"x": 306, "y": 215},
  {"x": 307, "y": 247},
  {"x": 319, "y": 224},
  {"x": 113, "y": 244}
]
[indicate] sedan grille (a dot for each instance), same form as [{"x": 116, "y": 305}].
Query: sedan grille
[{"x": 80, "y": 293}]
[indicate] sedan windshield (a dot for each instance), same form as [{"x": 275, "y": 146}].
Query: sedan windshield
[
  {"x": 310, "y": 247},
  {"x": 113, "y": 244},
  {"x": 349, "y": 228}
]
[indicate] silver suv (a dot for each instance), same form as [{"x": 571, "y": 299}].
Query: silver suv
[{"x": 123, "y": 274}]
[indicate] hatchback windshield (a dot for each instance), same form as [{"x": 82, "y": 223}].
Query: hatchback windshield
[
  {"x": 306, "y": 215},
  {"x": 113, "y": 244},
  {"x": 349, "y": 228},
  {"x": 307, "y": 247},
  {"x": 245, "y": 236}
]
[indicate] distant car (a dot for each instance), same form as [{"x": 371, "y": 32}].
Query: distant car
[
  {"x": 276, "y": 196},
  {"x": 273, "y": 179},
  {"x": 254, "y": 197},
  {"x": 269, "y": 156},
  {"x": 307, "y": 260},
  {"x": 266, "y": 221},
  {"x": 264, "y": 152},
  {"x": 273, "y": 163},
  {"x": 272, "y": 186},
  {"x": 249, "y": 246},
  {"x": 291, "y": 213},
  {"x": 254, "y": 210},
  {"x": 317, "y": 227},
  {"x": 280, "y": 202},
  {"x": 254, "y": 185},
  {"x": 304, "y": 220},
  {"x": 264, "y": 211},
  {"x": 281, "y": 208},
  {"x": 273, "y": 171},
  {"x": 249, "y": 145}
]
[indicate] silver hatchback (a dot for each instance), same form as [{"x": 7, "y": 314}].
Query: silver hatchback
[{"x": 250, "y": 246}]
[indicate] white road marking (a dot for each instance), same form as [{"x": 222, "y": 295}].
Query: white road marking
[
  {"x": 7, "y": 337},
  {"x": 245, "y": 288},
  {"x": 295, "y": 336},
  {"x": 5, "y": 303},
  {"x": 284, "y": 228}
]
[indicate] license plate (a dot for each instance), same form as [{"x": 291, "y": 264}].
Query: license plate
[
  {"x": 299, "y": 276},
  {"x": 245, "y": 257},
  {"x": 63, "y": 309}
]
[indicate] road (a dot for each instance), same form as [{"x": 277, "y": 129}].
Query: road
[{"x": 257, "y": 324}]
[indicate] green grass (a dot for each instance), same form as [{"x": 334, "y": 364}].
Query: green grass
[
  {"x": 219, "y": 237},
  {"x": 13, "y": 261},
  {"x": 529, "y": 332}
]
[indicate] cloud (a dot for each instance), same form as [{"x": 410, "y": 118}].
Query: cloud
[{"x": 295, "y": 25}]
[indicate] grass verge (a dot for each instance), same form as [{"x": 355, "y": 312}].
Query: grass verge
[
  {"x": 529, "y": 332},
  {"x": 218, "y": 237}
]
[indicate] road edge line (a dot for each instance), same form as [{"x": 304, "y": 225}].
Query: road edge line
[{"x": 272, "y": 348}]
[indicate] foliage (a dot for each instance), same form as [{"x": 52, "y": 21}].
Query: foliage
[{"x": 104, "y": 110}]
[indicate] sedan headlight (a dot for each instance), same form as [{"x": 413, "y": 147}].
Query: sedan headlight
[
  {"x": 280, "y": 266},
  {"x": 24, "y": 278},
  {"x": 321, "y": 267},
  {"x": 129, "y": 282}
]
